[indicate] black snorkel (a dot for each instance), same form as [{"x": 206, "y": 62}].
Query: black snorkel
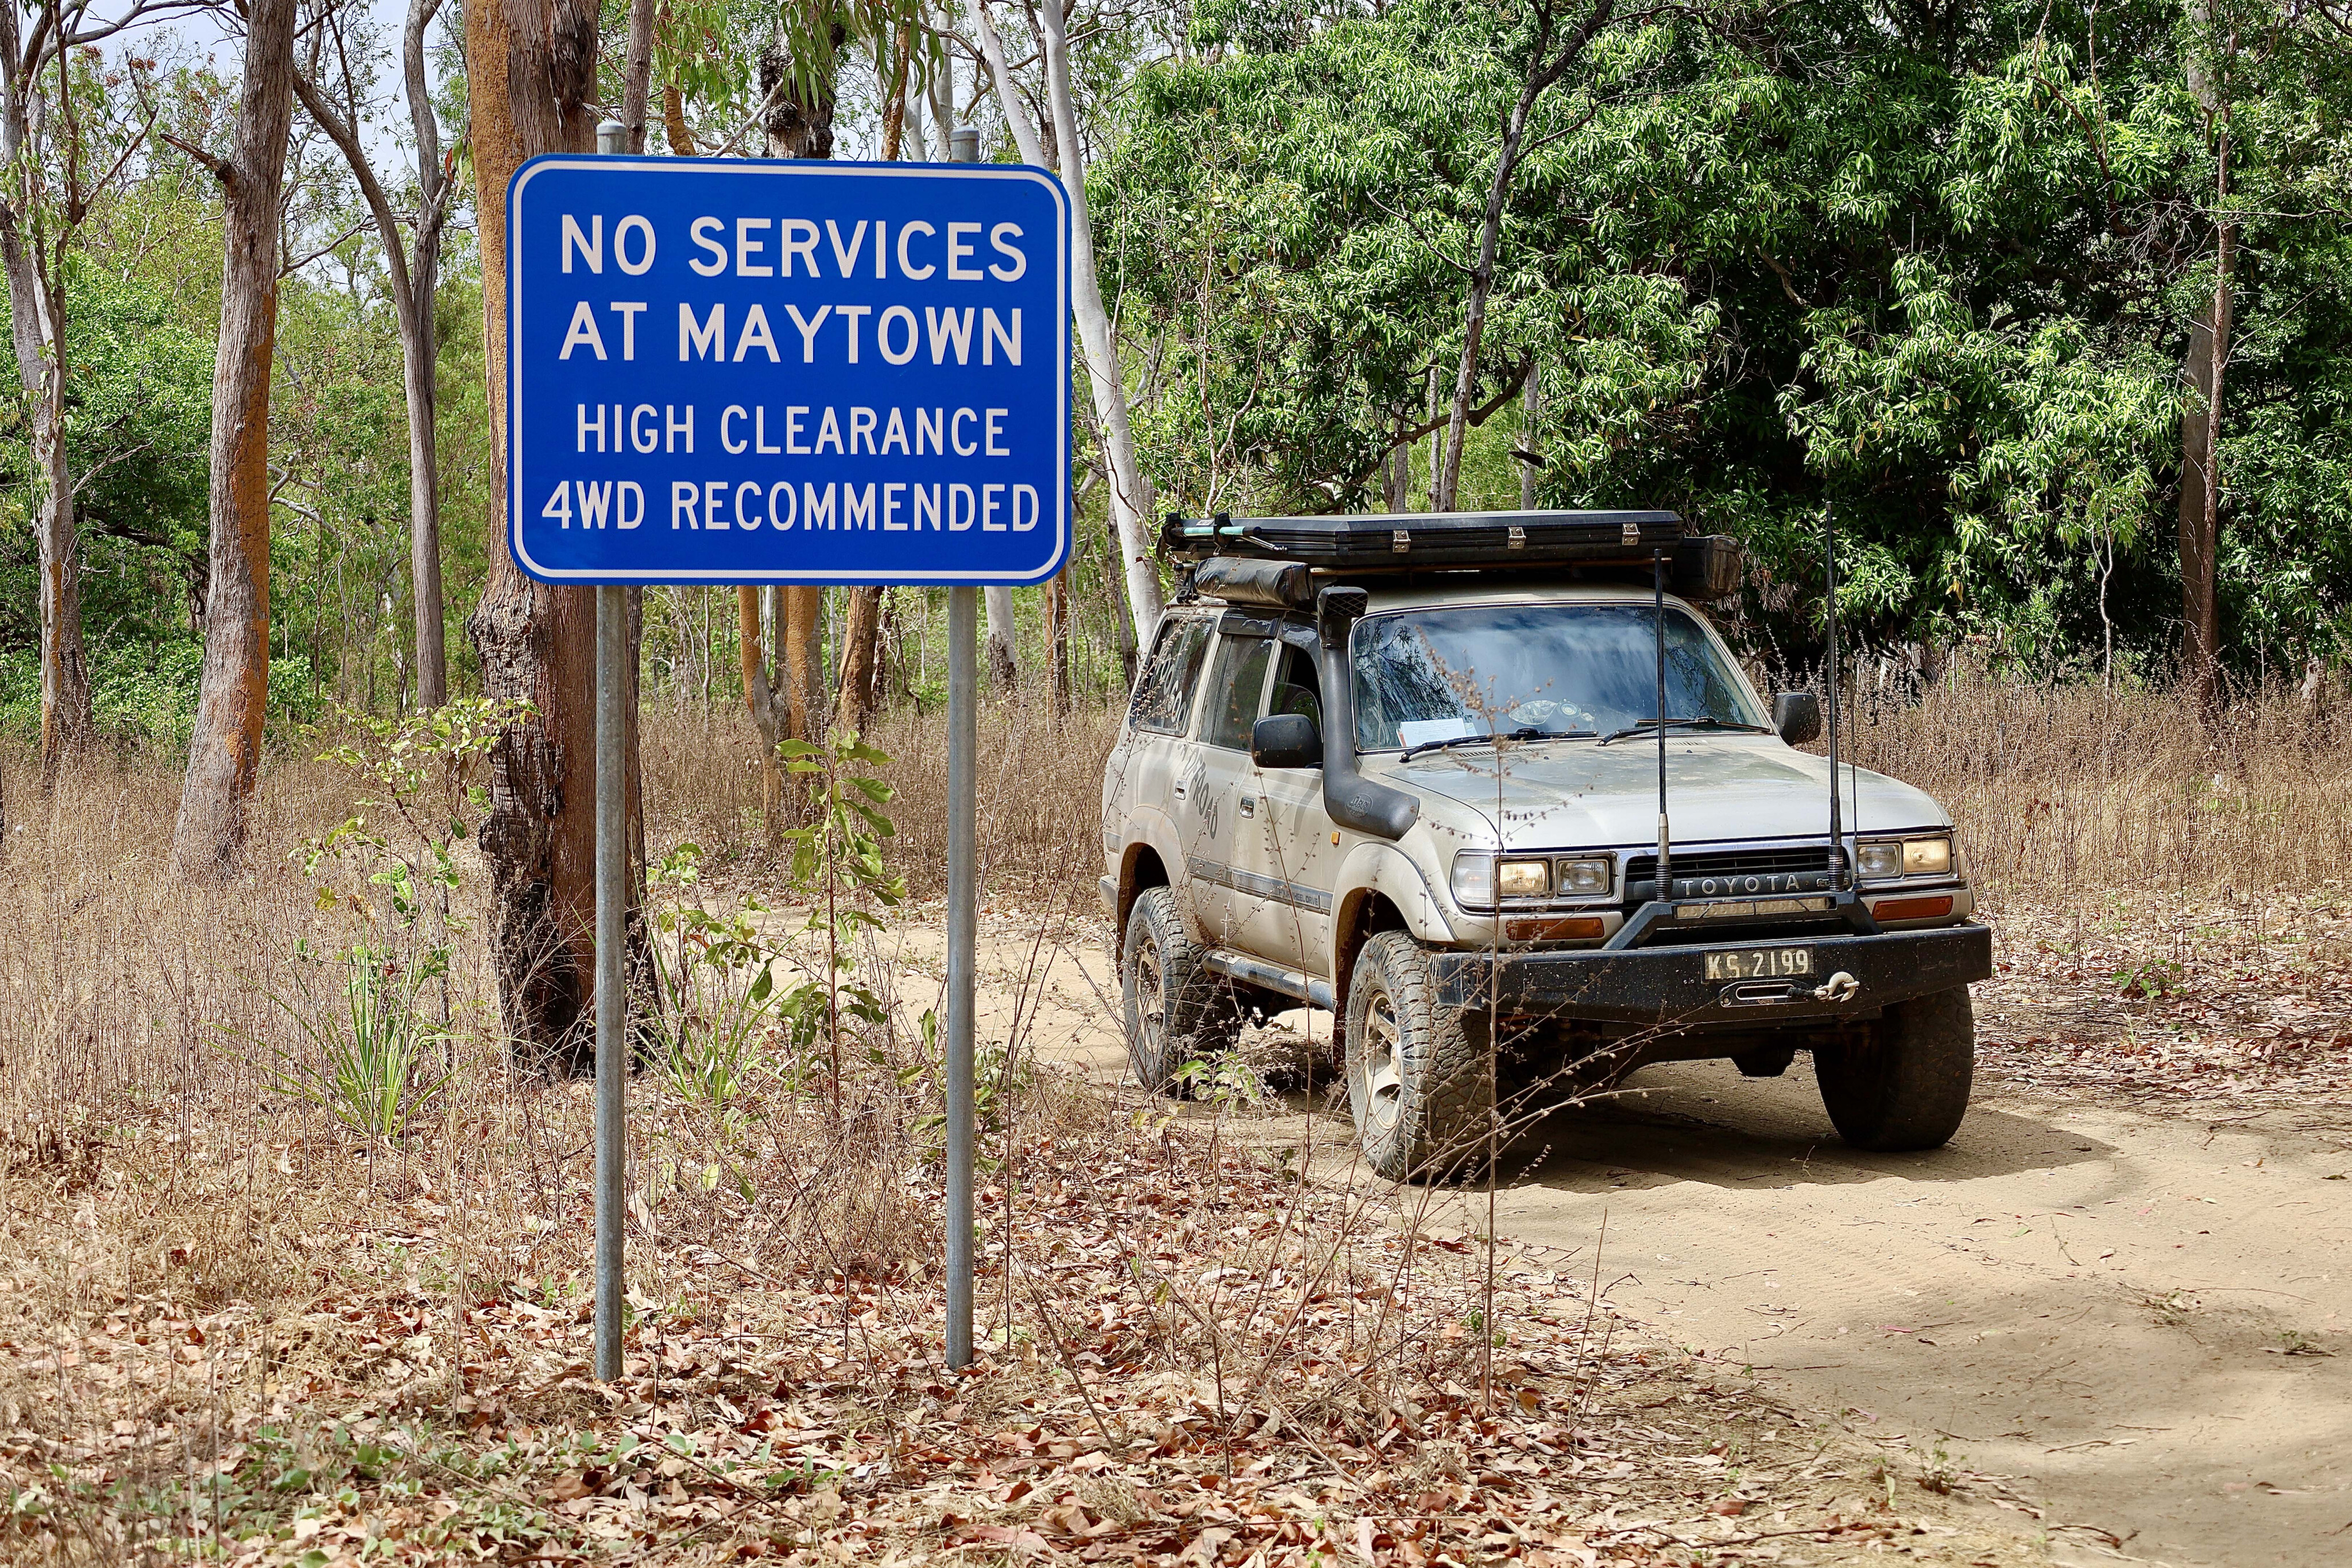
[{"x": 1349, "y": 798}]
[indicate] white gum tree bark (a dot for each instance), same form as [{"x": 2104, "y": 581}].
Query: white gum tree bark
[{"x": 1131, "y": 493}]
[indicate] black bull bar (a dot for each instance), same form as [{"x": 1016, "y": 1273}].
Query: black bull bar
[{"x": 1669, "y": 986}]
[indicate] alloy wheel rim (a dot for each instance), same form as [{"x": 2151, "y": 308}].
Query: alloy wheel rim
[
  {"x": 1384, "y": 1071},
  {"x": 1150, "y": 998}
]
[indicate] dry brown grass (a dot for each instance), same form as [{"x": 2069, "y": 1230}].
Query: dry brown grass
[
  {"x": 192, "y": 1261},
  {"x": 229, "y": 1324},
  {"x": 2059, "y": 789},
  {"x": 1040, "y": 791}
]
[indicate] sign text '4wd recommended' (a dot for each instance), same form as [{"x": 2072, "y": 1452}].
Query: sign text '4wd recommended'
[{"x": 729, "y": 370}]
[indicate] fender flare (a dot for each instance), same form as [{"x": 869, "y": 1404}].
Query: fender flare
[
  {"x": 1150, "y": 828},
  {"x": 1382, "y": 868}
]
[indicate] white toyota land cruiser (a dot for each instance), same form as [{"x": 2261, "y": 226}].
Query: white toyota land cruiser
[{"x": 1411, "y": 769}]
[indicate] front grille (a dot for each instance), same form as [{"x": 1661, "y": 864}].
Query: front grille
[
  {"x": 1724, "y": 874},
  {"x": 1733, "y": 863}
]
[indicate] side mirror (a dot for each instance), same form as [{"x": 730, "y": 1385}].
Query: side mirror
[
  {"x": 1286, "y": 740},
  {"x": 1797, "y": 716}
]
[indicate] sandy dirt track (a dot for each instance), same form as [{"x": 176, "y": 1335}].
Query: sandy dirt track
[{"x": 2140, "y": 1319}]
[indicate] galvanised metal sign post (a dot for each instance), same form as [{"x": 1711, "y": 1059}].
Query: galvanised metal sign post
[{"x": 734, "y": 370}]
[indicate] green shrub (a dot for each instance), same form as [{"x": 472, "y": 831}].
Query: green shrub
[{"x": 144, "y": 694}]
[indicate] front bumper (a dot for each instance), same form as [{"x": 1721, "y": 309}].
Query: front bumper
[{"x": 1668, "y": 986}]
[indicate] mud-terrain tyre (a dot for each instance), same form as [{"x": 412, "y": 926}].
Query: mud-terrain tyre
[
  {"x": 1908, "y": 1088},
  {"x": 1177, "y": 1012},
  {"x": 1420, "y": 1078}
]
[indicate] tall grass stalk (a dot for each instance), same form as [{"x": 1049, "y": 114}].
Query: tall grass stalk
[{"x": 369, "y": 1063}]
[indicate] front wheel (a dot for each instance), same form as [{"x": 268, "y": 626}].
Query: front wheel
[
  {"x": 1908, "y": 1088},
  {"x": 1420, "y": 1079}
]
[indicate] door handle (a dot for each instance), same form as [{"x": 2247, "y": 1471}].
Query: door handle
[
  {"x": 1249, "y": 805},
  {"x": 1179, "y": 789}
]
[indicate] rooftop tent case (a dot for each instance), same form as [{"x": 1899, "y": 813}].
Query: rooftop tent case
[{"x": 1260, "y": 557}]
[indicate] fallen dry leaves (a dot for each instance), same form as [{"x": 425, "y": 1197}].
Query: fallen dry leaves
[
  {"x": 2172, "y": 1002},
  {"x": 1206, "y": 1363}
]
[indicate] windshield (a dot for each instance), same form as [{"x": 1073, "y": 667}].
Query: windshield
[{"x": 1434, "y": 674}]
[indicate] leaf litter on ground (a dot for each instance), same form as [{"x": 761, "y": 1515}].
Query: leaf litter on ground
[{"x": 1201, "y": 1361}]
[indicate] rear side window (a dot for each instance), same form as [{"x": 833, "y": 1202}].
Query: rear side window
[{"x": 1163, "y": 697}]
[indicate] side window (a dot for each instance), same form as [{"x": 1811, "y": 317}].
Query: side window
[
  {"x": 1163, "y": 697},
  {"x": 1236, "y": 687},
  {"x": 1296, "y": 686}
]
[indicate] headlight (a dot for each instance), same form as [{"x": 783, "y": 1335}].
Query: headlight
[
  {"x": 1878, "y": 860},
  {"x": 1585, "y": 879},
  {"x": 1926, "y": 857},
  {"x": 1905, "y": 857},
  {"x": 1523, "y": 879},
  {"x": 1475, "y": 875}
]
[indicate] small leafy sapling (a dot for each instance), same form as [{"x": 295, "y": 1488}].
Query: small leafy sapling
[
  {"x": 1001, "y": 1080},
  {"x": 717, "y": 1006},
  {"x": 837, "y": 863},
  {"x": 377, "y": 1059},
  {"x": 418, "y": 772}
]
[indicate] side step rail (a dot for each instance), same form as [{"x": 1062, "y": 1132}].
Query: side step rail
[{"x": 1293, "y": 983}]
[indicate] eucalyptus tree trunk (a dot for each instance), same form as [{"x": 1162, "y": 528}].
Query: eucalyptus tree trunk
[
  {"x": 1131, "y": 493},
  {"x": 531, "y": 76},
  {"x": 800, "y": 125},
  {"x": 637, "y": 72},
  {"x": 414, "y": 270},
  {"x": 771, "y": 707},
  {"x": 2200, "y": 420},
  {"x": 1547, "y": 62},
  {"x": 942, "y": 103},
  {"x": 419, "y": 353},
  {"x": 1125, "y": 624},
  {"x": 224, "y": 753},
  {"x": 2200, "y": 488},
  {"x": 29, "y": 247},
  {"x": 996, "y": 605},
  {"x": 860, "y": 686},
  {"x": 65, "y": 670},
  {"x": 1056, "y": 597}
]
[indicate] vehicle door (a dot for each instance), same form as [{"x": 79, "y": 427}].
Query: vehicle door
[
  {"x": 1284, "y": 843},
  {"x": 1219, "y": 774},
  {"x": 1139, "y": 787}
]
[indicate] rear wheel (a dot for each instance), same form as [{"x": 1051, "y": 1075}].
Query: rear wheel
[
  {"x": 1420, "y": 1080},
  {"x": 1177, "y": 1011},
  {"x": 1908, "y": 1088}
]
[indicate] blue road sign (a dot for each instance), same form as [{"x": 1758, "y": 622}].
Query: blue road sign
[{"x": 757, "y": 371}]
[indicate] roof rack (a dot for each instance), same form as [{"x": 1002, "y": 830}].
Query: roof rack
[
  {"x": 1272, "y": 560},
  {"x": 1403, "y": 540}
]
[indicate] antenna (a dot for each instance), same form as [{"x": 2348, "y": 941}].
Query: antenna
[
  {"x": 1665, "y": 848},
  {"x": 1837, "y": 827}
]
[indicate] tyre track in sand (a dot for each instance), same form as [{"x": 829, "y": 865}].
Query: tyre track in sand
[{"x": 2144, "y": 1320}]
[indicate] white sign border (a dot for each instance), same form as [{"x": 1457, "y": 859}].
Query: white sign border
[{"x": 815, "y": 168}]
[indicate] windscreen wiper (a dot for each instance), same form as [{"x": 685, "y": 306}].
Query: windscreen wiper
[
  {"x": 1644, "y": 727},
  {"x": 1524, "y": 732}
]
